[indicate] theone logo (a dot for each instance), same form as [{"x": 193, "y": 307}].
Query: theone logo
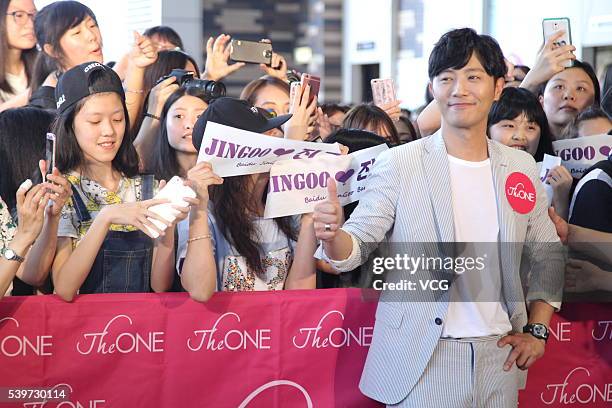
[
  {"x": 215, "y": 339},
  {"x": 123, "y": 342},
  {"x": 337, "y": 337},
  {"x": 606, "y": 334},
  {"x": 13, "y": 346},
  {"x": 520, "y": 193},
  {"x": 582, "y": 394}
]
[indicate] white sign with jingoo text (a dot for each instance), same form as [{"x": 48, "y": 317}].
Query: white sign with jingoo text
[
  {"x": 236, "y": 152},
  {"x": 577, "y": 155},
  {"x": 297, "y": 186}
]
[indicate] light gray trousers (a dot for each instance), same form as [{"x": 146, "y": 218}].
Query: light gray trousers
[{"x": 466, "y": 373}]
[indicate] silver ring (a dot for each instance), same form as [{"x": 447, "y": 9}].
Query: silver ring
[{"x": 327, "y": 227}]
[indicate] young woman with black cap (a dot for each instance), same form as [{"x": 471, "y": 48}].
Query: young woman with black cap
[
  {"x": 104, "y": 235},
  {"x": 227, "y": 245}
]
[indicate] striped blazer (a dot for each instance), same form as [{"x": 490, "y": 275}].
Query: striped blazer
[{"x": 408, "y": 201}]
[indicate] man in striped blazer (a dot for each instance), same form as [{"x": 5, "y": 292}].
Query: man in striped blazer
[{"x": 454, "y": 348}]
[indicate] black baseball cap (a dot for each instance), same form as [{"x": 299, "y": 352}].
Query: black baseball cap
[
  {"x": 236, "y": 113},
  {"x": 75, "y": 84}
]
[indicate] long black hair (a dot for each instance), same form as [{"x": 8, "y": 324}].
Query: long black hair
[
  {"x": 22, "y": 144},
  {"x": 164, "y": 164},
  {"x": 236, "y": 213},
  {"x": 51, "y": 23},
  {"x": 69, "y": 153},
  {"x": 27, "y": 56},
  {"x": 516, "y": 101}
]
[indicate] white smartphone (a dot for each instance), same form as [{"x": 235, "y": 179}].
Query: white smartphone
[
  {"x": 551, "y": 26},
  {"x": 174, "y": 191},
  {"x": 383, "y": 91}
]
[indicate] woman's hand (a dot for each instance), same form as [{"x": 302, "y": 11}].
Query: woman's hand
[
  {"x": 277, "y": 67},
  {"x": 136, "y": 214},
  {"x": 31, "y": 211},
  {"x": 561, "y": 181},
  {"x": 182, "y": 212},
  {"x": 583, "y": 276},
  {"x": 143, "y": 52},
  {"x": 551, "y": 59},
  {"x": 561, "y": 225},
  {"x": 201, "y": 177},
  {"x": 301, "y": 124},
  {"x": 217, "y": 57},
  {"x": 160, "y": 94},
  {"x": 392, "y": 109},
  {"x": 324, "y": 125},
  {"x": 59, "y": 189}
]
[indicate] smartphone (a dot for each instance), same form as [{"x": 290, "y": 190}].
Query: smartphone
[
  {"x": 251, "y": 51},
  {"x": 551, "y": 26},
  {"x": 50, "y": 154},
  {"x": 174, "y": 191},
  {"x": 314, "y": 82},
  {"x": 383, "y": 91}
]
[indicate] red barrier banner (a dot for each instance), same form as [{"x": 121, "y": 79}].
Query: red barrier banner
[{"x": 260, "y": 349}]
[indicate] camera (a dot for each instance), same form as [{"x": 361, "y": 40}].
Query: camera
[{"x": 185, "y": 79}]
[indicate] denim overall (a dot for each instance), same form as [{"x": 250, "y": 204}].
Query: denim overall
[{"x": 123, "y": 263}]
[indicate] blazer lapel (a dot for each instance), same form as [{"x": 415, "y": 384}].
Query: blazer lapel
[
  {"x": 435, "y": 162},
  {"x": 507, "y": 233},
  {"x": 500, "y": 169}
]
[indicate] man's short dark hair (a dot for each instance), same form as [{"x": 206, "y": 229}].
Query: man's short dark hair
[{"x": 455, "y": 48}]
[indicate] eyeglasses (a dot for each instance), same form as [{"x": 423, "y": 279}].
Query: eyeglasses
[{"x": 21, "y": 17}]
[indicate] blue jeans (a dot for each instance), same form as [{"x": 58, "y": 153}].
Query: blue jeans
[{"x": 123, "y": 263}]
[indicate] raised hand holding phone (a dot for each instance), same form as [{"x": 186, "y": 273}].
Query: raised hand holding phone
[
  {"x": 383, "y": 93},
  {"x": 251, "y": 52},
  {"x": 558, "y": 29}
]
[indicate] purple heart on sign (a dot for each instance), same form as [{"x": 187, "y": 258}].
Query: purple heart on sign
[
  {"x": 605, "y": 150},
  {"x": 343, "y": 176},
  {"x": 282, "y": 152}
]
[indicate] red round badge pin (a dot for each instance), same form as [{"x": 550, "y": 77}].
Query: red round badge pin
[{"x": 520, "y": 192}]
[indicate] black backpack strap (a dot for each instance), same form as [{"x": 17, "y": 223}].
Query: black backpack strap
[
  {"x": 148, "y": 181},
  {"x": 79, "y": 206}
]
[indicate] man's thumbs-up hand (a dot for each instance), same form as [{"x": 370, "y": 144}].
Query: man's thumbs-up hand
[{"x": 328, "y": 215}]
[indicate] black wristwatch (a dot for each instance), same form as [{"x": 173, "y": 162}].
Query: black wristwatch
[
  {"x": 11, "y": 255},
  {"x": 537, "y": 330}
]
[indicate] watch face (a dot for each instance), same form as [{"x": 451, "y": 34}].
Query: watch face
[
  {"x": 9, "y": 253},
  {"x": 539, "y": 330}
]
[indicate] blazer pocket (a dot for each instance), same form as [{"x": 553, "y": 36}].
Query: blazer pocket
[{"x": 389, "y": 315}]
